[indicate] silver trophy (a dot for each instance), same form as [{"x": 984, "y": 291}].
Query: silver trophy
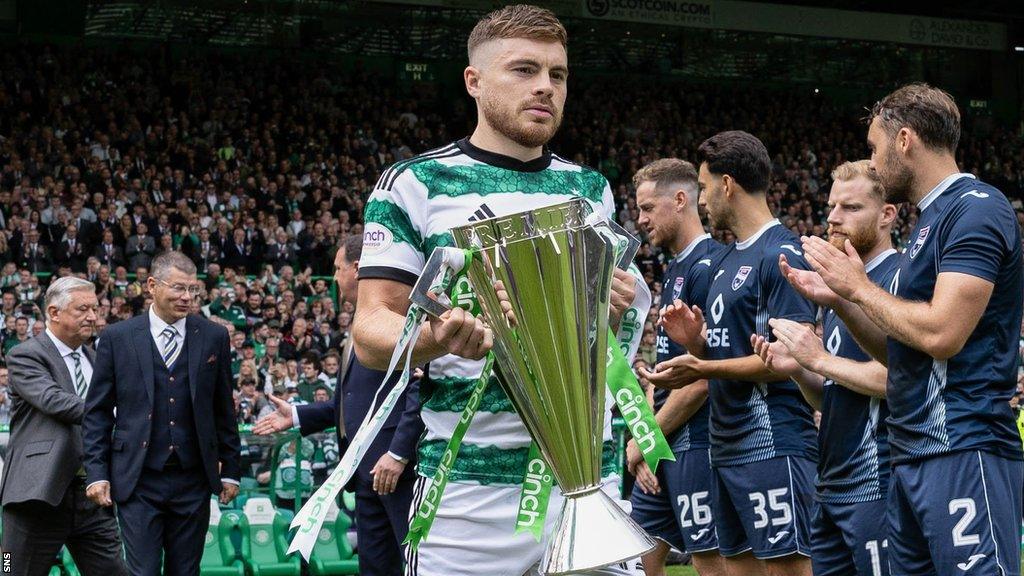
[{"x": 556, "y": 264}]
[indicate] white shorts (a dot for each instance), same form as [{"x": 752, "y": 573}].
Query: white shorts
[{"x": 472, "y": 533}]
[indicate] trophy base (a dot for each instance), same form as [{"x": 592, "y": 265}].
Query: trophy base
[{"x": 591, "y": 532}]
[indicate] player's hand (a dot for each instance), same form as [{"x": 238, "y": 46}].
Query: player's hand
[
  {"x": 800, "y": 341},
  {"x": 676, "y": 372},
  {"x": 228, "y": 491},
  {"x": 623, "y": 293},
  {"x": 683, "y": 324},
  {"x": 506, "y": 303},
  {"x": 775, "y": 356},
  {"x": 386, "y": 473},
  {"x": 462, "y": 334},
  {"x": 277, "y": 421},
  {"x": 808, "y": 284},
  {"x": 646, "y": 479},
  {"x": 99, "y": 493},
  {"x": 842, "y": 271},
  {"x": 633, "y": 456}
]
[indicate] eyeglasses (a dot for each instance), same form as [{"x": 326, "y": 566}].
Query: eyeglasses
[{"x": 179, "y": 289}]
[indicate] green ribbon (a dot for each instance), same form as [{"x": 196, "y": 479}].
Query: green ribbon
[
  {"x": 427, "y": 510},
  {"x": 533, "y": 500},
  {"x": 635, "y": 410}
]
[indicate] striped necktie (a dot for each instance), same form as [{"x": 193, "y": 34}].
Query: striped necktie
[
  {"x": 170, "y": 351},
  {"x": 81, "y": 386}
]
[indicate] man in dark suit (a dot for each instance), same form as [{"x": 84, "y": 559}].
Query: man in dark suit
[
  {"x": 35, "y": 257},
  {"x": 173, "y": 439},
  {"x": 70, "y": 250},
  {"x": 384, "y": 480},
  {"x": 109, "y": 253},
  {"x": 43, "y": 489}
]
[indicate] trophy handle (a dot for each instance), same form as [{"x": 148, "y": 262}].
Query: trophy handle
[{"x": 431, "y": 291}]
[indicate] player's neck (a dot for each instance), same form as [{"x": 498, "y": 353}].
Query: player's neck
[
  {"x": 689, "y": 231},
  {"x": 750, "y": 218},
  {"x": 934, "y": 170},
  {"x": 489, "y": 139},
  {"x": 880, "y": 246}
]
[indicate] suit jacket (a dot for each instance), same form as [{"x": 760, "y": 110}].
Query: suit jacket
[
  {"x": 115, "y": 445},
  {"x": 140, "y": 251},
  {"x": 115, "y": 259},
  {"x": 45, "y": 448},
  {"x": 401, "y": 431},
  {"x": 75, "y": 258}
]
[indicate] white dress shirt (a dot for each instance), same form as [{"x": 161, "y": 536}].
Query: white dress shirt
[
  {"x": 157, "y": 326},
  {"x": 65, "y": 353}
]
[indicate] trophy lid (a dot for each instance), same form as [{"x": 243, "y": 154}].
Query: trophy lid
[{"x": 523, "y": 225}]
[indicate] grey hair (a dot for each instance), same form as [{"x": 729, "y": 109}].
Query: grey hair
[
  {"x": 59, "y": 292},
  {"x": 171, "y": 259}
]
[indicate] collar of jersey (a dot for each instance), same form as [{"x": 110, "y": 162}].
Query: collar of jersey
[
  {"x": 689, "y": 249},
  {"x": 940, "y": 188},
  {"x": 868, "y": 267},
  {"x": 746, "y": 243},
  {"x": 506, "y": 162}
]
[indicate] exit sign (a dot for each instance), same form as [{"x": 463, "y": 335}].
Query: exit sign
[{"x": 416, "y": 72}]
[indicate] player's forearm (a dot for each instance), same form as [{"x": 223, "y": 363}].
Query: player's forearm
[
  {"x": 915, "y": 324},
  {"x": 811, "y": 386},
  {"x": 377, "y": 332},
  {"x": 866, "y": 378},
  {"x": 868, "y": 335},
  {"x": 749, "y": 368},
  {"x": 681, "y": 405}
]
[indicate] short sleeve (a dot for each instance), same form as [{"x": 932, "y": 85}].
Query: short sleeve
[
  {"x": 698, "y": 282},
  {"x": 976, "y": 238},
  {"x": 392, "y": 240},
  {"x": 783, "y": 300}
]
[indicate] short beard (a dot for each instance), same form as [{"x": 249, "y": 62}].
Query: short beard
[
  {"x": 897, "y": 178},
  {"x": 504, "y": 121},
  {"x": 863, "y": 240}
]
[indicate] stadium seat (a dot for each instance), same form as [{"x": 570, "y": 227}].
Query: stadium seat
[
  {"x": 332, "y": 553},
  {"x": 219, "y": 557},
  {"x": 265, "y": 540}
]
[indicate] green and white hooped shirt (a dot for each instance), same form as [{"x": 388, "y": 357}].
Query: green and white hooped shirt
[{"x": 413, "y": 206}]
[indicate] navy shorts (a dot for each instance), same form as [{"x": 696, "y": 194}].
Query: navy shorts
[
  {"x": 957, "y": 514},
  {"x": 681, "y": 514},
  {"x": 848, "y": 539},
  {"x": 764, "y": 507}
]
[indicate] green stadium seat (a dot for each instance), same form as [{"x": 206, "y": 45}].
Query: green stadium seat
[
  {"x": 265, "y": 540},
  {"x": 332, "y": 553},
  {"x": 219, "y": 556}
]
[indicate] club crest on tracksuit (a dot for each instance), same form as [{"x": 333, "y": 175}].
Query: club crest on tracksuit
[
  {"x": 741, "y": 277},
  {"x": 921, "y": 237},
  {"x": 678, "y": 288}
]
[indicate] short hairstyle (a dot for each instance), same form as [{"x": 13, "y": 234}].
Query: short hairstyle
[
  {"x": 59, "y": 292},
  {"x": 171, "y": 259},
  {"x": 930, "y": 112},
  {"x": 353, "y": 248},
  {"x": 667, "y": 172},
  {"x": 517, "y": 21},
  {"x": 851, "y": 170},
  {"x": 740, "y": 155}
]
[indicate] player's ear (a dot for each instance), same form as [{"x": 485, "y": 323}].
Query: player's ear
[
  {"x": 904, "y": 138},
  {"x": 682, "y": 200},
  {"x": 728, "y": 185},
  {"x": 889, "y": 213},
  {"x": 471, "y": 75}
]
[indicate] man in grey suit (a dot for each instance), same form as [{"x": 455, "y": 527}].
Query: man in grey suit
[{"x": 43, "y": 487}]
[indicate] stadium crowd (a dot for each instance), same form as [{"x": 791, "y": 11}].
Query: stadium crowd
[{"x": 259, "y": 171}]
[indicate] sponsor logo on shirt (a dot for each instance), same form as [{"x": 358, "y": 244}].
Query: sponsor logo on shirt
[{"x": 376, "y": 239}]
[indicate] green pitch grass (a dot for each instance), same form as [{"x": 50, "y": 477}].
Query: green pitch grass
[{"x": 680, "y": 571}]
